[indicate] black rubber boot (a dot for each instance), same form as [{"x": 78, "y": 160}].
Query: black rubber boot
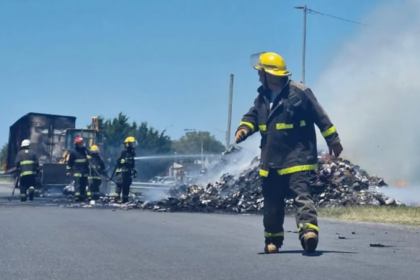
[
  {"x": 309, "y": 241},
  {"x": 273, "y": 245}
]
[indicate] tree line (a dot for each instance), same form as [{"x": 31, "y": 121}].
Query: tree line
[{"x": 150, "y": 142}]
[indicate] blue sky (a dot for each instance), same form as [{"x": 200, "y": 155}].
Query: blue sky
[{"x": 164, "y": 62}]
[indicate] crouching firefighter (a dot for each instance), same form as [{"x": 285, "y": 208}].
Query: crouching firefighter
[
  {"x": 125, "y": 169},
  {"x": 78, "y": 164},
  {"x": 28, "y": 167},
  {"x": 96, "y": 170},
  {"x": 285, "y": 112}
]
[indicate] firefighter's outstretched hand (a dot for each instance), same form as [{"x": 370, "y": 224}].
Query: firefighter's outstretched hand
[
  {"x": 241, "y": 135},
  {"x": 337, "y": 149}
]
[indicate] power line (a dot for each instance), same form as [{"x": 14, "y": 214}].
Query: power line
[
  {"x": 306, "y": 11},
  {"x": 310, "y": 11}
]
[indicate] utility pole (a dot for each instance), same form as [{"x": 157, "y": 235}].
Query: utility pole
[
  {"x": 305, "y": 12},
  {"x": 229, "y": 112}
]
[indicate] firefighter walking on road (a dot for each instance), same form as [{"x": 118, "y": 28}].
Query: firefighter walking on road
[
  {"x": 285, "y": 112},
  {"x": 27, "y": 166},
  {"x": 125, "y": 169},
  {"x": 78, "y": 164},
  {"x": 96, "y": 169}
]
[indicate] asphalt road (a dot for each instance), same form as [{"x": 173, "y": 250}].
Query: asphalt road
[{"x": 41, "y": 242}]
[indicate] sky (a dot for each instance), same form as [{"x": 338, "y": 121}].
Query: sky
[{"x": 164, "y": 62}]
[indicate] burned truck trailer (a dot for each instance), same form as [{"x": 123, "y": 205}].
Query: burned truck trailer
[{"x": 47, "y": 134}]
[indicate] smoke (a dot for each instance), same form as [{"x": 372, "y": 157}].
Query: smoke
[
  {"x": 241, "y": 160},
  {"x": 154, "y": 194},
  {"x": 371, "y": 91},
  {"x": 409, "y": 195}
]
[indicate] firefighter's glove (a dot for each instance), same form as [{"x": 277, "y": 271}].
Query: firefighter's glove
[
  {"x": 241, "y": 135},
  {"x": 336, "y": 149},
  {"x": 68, "y": 174},
  {"x": 89, "y": 157},
  {"x": 134, "y": 173}
]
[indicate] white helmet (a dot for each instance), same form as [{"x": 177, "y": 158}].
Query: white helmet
[{"x": 26, "y": 143}]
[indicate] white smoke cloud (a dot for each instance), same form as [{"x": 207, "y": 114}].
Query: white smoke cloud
[
  {"x": 250, "y": 150},
  {"x": 373, "y": 93}
]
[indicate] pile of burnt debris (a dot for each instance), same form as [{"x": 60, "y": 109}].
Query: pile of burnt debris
[{"x": 335, "y": 183}]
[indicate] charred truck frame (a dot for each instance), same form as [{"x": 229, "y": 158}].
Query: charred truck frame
[{"x": 51, "y": 138}]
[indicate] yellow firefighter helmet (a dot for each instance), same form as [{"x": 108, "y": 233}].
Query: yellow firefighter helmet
[
  {"x": 130, "y": 141},
  {"x": 271, "y": 63},
  {"x": 94, "y": 149}
]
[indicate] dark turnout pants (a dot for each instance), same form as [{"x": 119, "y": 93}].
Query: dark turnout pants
[
  {"x": 123, "y": 185},
  {"x": 94, "y": 185},
  {"x": 27, "y": 186},
  {"x": 80, "y": 185},
  {"x": 275, "y": 189}
]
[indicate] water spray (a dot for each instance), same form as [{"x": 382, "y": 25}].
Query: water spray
[{"x": 174, "y": 156}]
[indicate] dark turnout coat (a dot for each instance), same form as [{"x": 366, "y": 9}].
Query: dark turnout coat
[
  {"x": 288, "y": 141},
  {"x": 78, "y": 162},
  {"x": 126, "y": 161},
  {"x": 26, "y": 163},
  {"x": 97, "y": 167}
]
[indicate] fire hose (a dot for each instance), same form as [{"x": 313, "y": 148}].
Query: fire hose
[
  {"x": 103, "y": 175},
  {"x": 96, "y": 171},
  {"x": 15, "y": 185}
]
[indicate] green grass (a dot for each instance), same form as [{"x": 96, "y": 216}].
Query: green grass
[{"x": 403, "y": 215}]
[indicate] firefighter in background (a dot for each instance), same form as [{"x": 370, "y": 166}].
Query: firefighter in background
[
  {"x": 78, "y": 164},
  {"x": 27, "y": 166},
  {"x": 125, "y": 169},
  {"x": 285, "y": 112},
  {"x": 96, "y": 169}
]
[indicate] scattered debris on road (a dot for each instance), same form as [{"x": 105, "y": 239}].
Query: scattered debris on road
[
  {"x": 377, "y": 245},
  {"x": 335, "y": 183}
]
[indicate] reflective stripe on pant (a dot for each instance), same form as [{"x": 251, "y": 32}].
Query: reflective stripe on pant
[
  {"x": 275, "y": 188},
  {"x": 123, "y": 181}
]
